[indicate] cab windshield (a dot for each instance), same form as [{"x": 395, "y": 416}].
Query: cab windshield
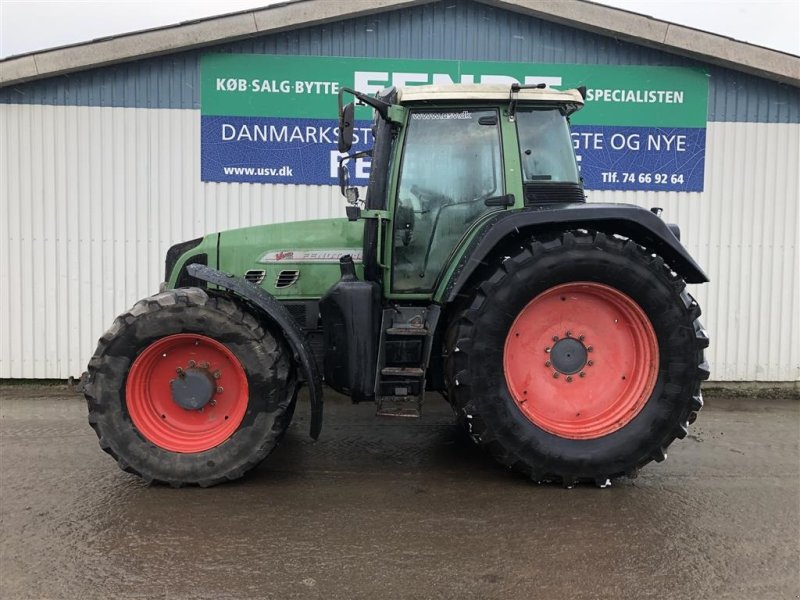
[{"x": 545, "y": 147}]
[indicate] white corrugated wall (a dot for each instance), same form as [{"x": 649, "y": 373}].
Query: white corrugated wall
[{"x": 90, "y": 199}]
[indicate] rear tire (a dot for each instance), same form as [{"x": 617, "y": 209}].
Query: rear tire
[
  {"x": 506, "y": 407},
  {"x": 246, "y": 370}
]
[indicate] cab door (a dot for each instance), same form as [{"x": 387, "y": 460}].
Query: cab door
[{"x": 451, "y": 165}]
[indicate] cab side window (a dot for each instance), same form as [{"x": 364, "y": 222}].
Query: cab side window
[{"x": 546, "y": 147}]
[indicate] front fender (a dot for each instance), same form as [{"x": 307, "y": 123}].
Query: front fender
[
  {"x": 277, "y": 314},
  {"x": 634, "y": 222}
]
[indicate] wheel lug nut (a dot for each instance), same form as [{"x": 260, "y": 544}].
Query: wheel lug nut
[
  {"x": 569, "y": 333},
  {"x": 581, "y": 374},
  {"x": 192, "y": 364},
  {"x": 547, "y": 349},
  {"x": 219, "y": 390},
  {"x": 555, "y": 374},
  {"x": 555, "y": 338},
  {"x": 216, "y": 374},
  {"x": 581, "y": 337},
  {"x": 204, "y": 365},
  {"x": 569, "y": 379},
  {"x": 212, "y": 402},
  {"x": 590, "y": 363},
  {"x": 179, "y": 371},
  {"x": 547, "y": 364},
  {"x": 589, "y": 349}
]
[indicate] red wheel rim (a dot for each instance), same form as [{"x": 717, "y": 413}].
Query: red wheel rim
[
  {"x": 159, "y": 417},
  {"x": 581, "y": 360}
]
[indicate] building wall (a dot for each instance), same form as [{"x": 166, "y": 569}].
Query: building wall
[{"x": 100, "y": 173}]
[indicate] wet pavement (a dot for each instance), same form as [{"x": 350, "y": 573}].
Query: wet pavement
[{"x": 383, "y": 508}]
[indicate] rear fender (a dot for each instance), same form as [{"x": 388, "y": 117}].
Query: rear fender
[
  {"x": 275, "y": 313},
  {"x": 634, "y": 222}
]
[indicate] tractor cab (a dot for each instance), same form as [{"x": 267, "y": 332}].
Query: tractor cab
[{"x": 449, "y": 156}]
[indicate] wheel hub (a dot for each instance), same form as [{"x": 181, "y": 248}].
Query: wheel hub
[
  {"x": 193, "y": 389},
  {"x": 568, "y": 356}
]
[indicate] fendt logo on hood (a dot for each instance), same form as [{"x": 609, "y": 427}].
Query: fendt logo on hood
[{"x": 311, "y": 256}]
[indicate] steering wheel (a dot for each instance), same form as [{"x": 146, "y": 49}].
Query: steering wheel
[{"x": 426, "y": 196}]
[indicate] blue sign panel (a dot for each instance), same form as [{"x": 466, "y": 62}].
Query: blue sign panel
[
  {"x": 303, "y": 151},
  {"x": 278, "y": 150},
  {"x": 640, "y": 158}
]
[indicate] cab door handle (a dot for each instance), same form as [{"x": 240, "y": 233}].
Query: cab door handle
[{"x": 505, "y": 201}]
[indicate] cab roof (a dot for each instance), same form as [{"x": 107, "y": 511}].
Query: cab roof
[{"x": 480, "y": 91}]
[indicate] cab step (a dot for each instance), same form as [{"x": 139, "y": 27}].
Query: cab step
[
  {"x": 403, "y": 371},
  {"x": 403, "y": 356},
  {"x": 411, "y": 331},
  {"x": 399, "y": 406}
]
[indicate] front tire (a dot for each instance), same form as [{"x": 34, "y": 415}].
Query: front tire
[
  {"x": 189, "y": 388},
  {"x": 578, "y": 359}
]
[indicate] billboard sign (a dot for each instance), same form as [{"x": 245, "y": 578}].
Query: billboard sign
[{"x": 272, "y": 119}]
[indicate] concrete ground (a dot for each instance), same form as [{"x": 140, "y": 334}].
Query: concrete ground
[{"x": 399, "y": 509}]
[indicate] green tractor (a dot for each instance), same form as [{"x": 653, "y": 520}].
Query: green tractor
[{"x": 560, "y": 331}]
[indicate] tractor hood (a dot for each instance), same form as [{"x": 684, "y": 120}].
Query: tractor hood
[{"x": 299, "y": 259}]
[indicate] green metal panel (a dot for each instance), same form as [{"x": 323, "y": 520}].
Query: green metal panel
[
  {"x": 310, "y": 247},
  {"x": 236, "y": 85},
  {"x": 511, "y": 159}
]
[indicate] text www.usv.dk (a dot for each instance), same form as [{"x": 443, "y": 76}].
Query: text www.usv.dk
[{"x": 284, "y": 171}]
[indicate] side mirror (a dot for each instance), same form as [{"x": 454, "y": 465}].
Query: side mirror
[{"x": 346, "y": 122}]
